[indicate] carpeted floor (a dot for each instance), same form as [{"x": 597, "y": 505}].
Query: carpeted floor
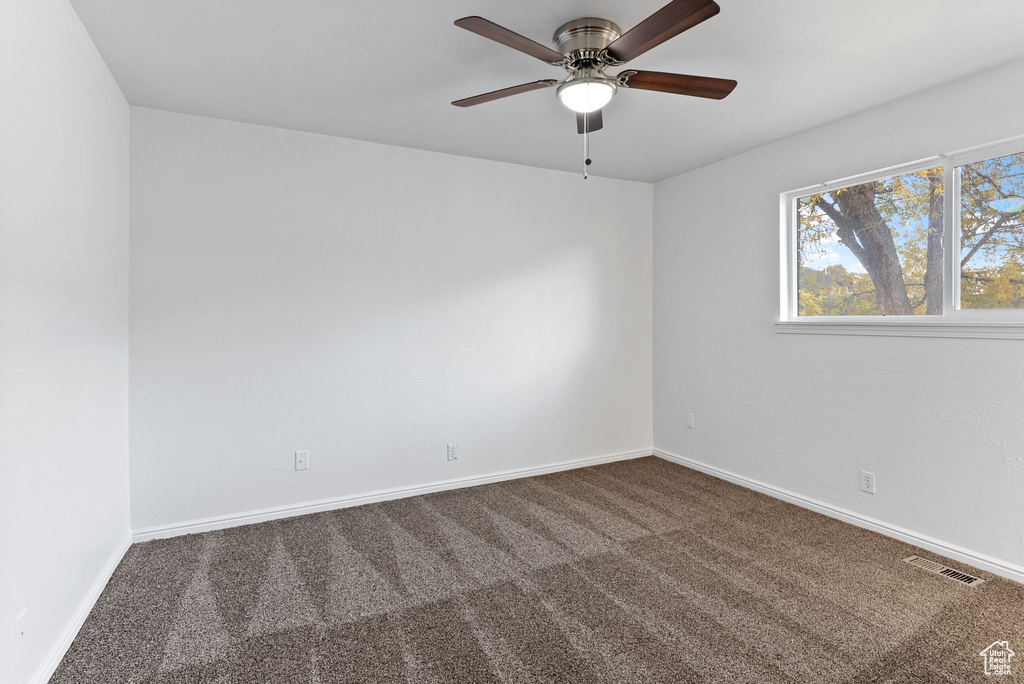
[{"x": 638, "y": 571}]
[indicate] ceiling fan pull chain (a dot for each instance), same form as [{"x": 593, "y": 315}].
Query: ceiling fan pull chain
[{"x": 586, "y": 143}]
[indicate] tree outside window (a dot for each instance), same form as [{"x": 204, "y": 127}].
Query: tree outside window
[{"x": 876, "y": 248}]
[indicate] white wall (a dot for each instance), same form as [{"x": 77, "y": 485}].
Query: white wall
[
  {"x": 371, "y": 304},
  {"x": 63, "y": 323},
  {"x": 938, "y": 420}
]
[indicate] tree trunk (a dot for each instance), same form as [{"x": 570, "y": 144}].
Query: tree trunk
[
  {"x": 865, "y": 233},
  {"x": 933, "y": 270}
]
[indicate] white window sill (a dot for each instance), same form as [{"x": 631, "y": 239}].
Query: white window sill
[{"x": 997, "y": 330}]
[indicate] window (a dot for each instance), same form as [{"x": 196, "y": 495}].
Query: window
[
  {"x": 865, "y": 249},
  {"x": 935, "y": 245},
  {"x": 992, "y": 233}
]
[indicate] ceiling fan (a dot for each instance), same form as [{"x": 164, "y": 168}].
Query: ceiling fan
[{"x": 589, "y": 46}]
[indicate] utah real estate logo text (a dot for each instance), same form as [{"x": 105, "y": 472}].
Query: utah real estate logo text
[{"x": 997, "y": 658}]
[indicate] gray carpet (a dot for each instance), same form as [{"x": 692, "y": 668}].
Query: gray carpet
[{"x": 638, "y": 571}]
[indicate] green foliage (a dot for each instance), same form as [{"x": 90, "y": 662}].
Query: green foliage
[{"x": 834, "y": 291}]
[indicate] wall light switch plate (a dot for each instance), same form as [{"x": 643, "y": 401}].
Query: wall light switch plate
[{"x": 301, "y": 460}]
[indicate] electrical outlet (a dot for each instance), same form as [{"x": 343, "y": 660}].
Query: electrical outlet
[
  {"x": 689, "y": 420},
  {"x": 302, "y": 460},
  {"x": 867, "y": 481},
  {"x": 19, "y": 632},
  {"x": 451, "y": 452}
]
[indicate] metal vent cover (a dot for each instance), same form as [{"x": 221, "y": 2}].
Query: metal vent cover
[{"x": 939, "y": 569}]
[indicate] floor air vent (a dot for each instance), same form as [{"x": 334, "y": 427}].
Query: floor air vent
[{"x": 932, "y": 566}]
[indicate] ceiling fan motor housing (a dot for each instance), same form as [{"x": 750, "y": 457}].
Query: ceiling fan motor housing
[{"x": 582, "y": 40}]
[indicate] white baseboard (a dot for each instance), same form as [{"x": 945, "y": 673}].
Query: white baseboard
[
  {"x": 63, "y": 643},
  {"x": 250, "y": 517},
  {"x": 978, "y": 560}
]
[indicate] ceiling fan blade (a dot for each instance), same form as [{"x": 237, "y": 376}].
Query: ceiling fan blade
[
  {"x": 596, "y": 122},
  {"x": 680, "y": 84},
  {"x": 504, "y": 92},
  {"x": 488, "y": 29},
  {"x": 668, "y": 22}
]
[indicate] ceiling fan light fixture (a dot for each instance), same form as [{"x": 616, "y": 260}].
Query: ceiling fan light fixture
[{"x": 586, "y": 92}]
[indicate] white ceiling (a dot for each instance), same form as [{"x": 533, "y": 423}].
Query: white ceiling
[{"x": 386, "y": 71}]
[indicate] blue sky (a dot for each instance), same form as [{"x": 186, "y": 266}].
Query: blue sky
[{"x": 832, "y": 252}]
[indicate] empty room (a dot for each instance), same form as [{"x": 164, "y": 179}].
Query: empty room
[{"x": 473, "y": 341}]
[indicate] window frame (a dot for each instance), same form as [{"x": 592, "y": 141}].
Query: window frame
[{"x": 954, "y": 321}]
